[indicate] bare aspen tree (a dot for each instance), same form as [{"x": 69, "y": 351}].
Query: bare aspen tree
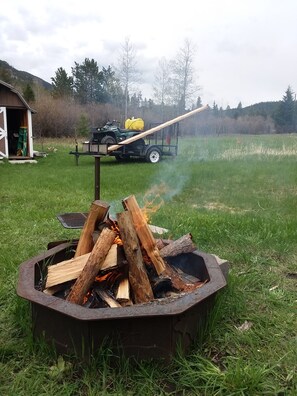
[
  {"x": 162, "y": 87},
  {"x": 127, "y": 70},
  {"x": 184, "y": 76}
]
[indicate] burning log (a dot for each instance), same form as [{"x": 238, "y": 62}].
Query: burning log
[
  {"x": 97, "y": 213},
  {"x": 144, "y": 233},
  {"x": 172, "y": 248},
  {"x": 92, "y": 267},
  {"x": 137, "y": 273},
  {"x": 126, "y": 266},
  {"x": 182, "y": 245}
]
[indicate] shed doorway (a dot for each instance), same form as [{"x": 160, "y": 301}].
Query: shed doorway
[{"x": 17, "y": 122}]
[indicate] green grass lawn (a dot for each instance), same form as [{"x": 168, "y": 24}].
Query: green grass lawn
[{"x": 237, "y": 196}]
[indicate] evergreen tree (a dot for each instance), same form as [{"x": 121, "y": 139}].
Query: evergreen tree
[
  {"x": 62, "y": 84},
  {"x": 83, "y": 126},
  {"x": 88, "y": 82},
  {"x": 199, "y": 102},
  {"x": 238, "y": 111},
  {"x": 28, "y": 93},
  {"x": 111, "y": 88},
  {"x": 285, "y": 115},
  {"x": 215, "y": 109},
  {"x": 6, "y": 75}
]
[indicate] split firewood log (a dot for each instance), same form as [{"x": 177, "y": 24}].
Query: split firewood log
[
  {"x": 138, "y": 277},
  {"x": 144, "y": 233},
  {"x": 68, "y": 270},
  {"x": 123, "y": 293},
  {"x": 92, "y": 267},
  {"x": 107, "y": 298},
  {"x": 97, "y": 213},
  {"x": 65, "y": 270}
]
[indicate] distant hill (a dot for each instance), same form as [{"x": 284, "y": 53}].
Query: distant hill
[
  {"x": 20, "y": 78},
  {"x": 264, "y": 109}
]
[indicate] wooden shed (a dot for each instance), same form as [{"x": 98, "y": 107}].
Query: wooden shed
[{"x": 16, "y": 137}]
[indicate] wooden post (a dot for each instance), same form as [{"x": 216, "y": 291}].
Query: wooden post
[
  {"x": 92, "y": 267},
  {"x": 97, "y": 213},
  {"x": 138, "y": 277},
  {"x": 97, "y": 177},
  {"x": 144, "y": 233}
]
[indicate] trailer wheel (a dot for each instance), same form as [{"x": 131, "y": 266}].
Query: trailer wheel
[
  {"x": 153, "y": 155},
  {"x": 108, "y": 140}
]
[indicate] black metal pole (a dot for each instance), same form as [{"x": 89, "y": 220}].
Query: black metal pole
[{"x": 97, "y": 177}]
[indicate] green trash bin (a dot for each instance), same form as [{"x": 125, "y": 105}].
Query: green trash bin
[{"x": 22, "y": 141}]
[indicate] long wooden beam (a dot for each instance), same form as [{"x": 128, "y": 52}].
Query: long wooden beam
[{"x": 157, "y": 128}]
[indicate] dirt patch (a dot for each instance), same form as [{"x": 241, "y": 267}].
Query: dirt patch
[
  {"x": 257, "y": 150},
  {"x": 221, "y": 207}
]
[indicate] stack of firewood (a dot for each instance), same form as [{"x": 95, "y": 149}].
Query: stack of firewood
[{"x": 119, "y": 262}]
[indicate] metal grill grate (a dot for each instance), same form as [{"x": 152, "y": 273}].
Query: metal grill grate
[{"x": 72, "y": 220}]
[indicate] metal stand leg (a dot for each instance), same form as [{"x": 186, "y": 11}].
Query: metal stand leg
[{"x": 97, "y": 177}]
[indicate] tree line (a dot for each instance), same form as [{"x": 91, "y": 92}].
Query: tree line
[
  {"x": 91, "y": 95},
  {"x": 175, "y": 83}
]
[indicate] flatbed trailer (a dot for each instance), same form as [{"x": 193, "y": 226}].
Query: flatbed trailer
[
  {"x": 151, "y": 148},
  {"x": 138, "y": 144}
]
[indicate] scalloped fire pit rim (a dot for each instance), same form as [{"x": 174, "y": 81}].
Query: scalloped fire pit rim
[{"x": 26, "y": 289}]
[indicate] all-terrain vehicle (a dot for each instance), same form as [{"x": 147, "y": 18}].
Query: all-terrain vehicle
[
  {"x": 111, "y": 133},
  {"x": 150, "y": 148},
  {"x": 151, "y": 145}
]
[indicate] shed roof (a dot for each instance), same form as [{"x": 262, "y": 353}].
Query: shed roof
[{"x": 12, "y": 89}]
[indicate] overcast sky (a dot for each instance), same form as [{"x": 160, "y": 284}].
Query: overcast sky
[{"x": 245, "y": 50}]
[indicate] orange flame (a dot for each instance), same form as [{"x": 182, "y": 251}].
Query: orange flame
[
  {"x": 114, "y": 226},
  {"x": 86, "y": 297},
  {"x": 110, "y": 277},
  {"x": 153, "y": 200}
]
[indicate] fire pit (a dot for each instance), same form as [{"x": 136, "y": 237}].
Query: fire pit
[{"x": 149, "y": 330}]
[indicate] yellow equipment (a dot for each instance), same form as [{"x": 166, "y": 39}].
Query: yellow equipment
[{"x": 134, "y": 124}]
